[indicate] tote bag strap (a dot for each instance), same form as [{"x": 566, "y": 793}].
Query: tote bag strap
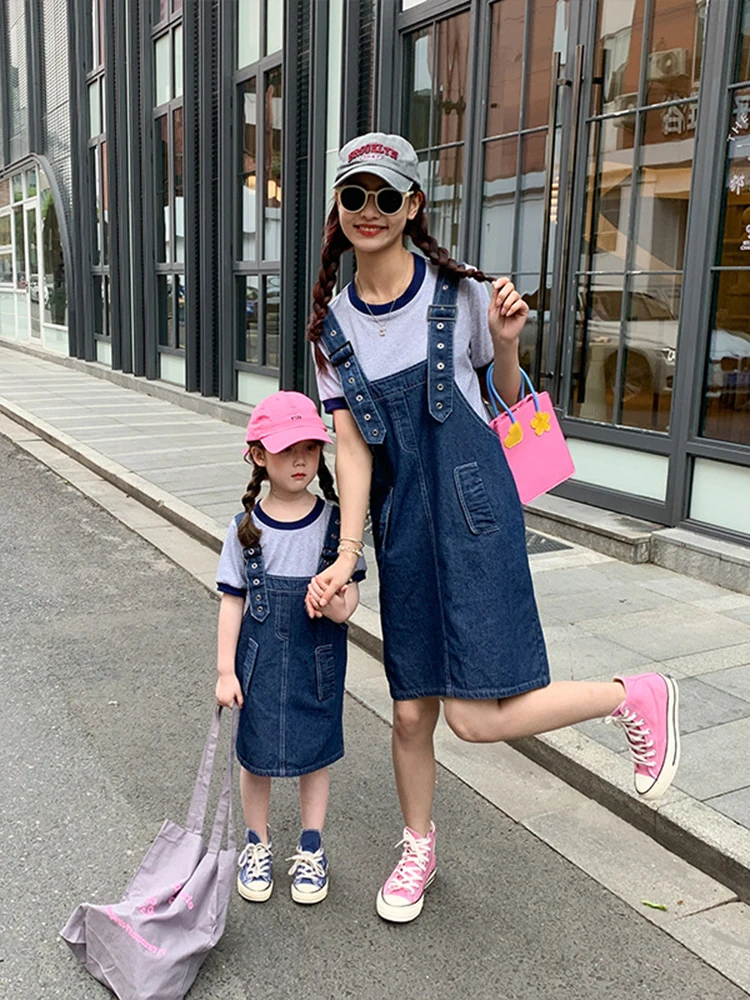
[
  {"x": 496, "y": 398},
  {"x": 197, "y": 811},
  {"x": 224, "y": 815}
]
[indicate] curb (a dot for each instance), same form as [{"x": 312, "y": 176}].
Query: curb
[{"x": 693, "y": 831}]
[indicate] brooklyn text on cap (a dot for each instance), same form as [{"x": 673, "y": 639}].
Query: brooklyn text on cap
[{"x": 389, "y": 157}]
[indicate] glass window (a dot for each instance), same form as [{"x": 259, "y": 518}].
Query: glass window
[
  {"x": 273, "y": 302},
  {"x": 675, "y": 54},
  {"x": 452, "y": 71},
  {"x": 18, "y": 187},
  {"x": 742, "y": 72},
  {"x": 161, "y": 157},
  {"x": 178, "y": 62},
  {"x": 179, "y": 286},
  {"x": 609, "y": 187},
  {"x": 161, "y": 10},
  {"x": 5, "y": 230},
  {"x": 31, "y": 183},
  {"x": 446, "y": 196},
  {"x": 668, "y": 143},
  {"x": 419, "y": 86},
  {"x": 248, "y": 32},
  {"x": 248, "y": 347},
  {"x": 272, "y": 164},
  {"x": 4, "y": 192},
  {"x": 531, "y": 210},
  {"x": 506, "y": 67},
  {"x": 163, "y": 69},
  {"x": 20, "y": 247},
  {"x": 734, "y": 234},
  {"x": 179, "y": 185},
  {"x": 274, "y": 25},
  {"x": 248, "y": 170},
  {"x": 95, "y": 111},
  {"x": 618, "y": 52},
  {"x": 498, "y": 205},
  {"x": 164, "y": 309},
  {"x": 104, "y": 203},
  {"x": 55, "y": 289},
  {"x": 726, "y": 414},
  {"x": 6, "y": 267}
]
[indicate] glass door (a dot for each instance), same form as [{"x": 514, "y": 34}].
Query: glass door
[{"x": 34, "y": 282}]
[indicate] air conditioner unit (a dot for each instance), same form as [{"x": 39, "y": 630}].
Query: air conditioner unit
[
  {"x": 668, "y": 64},
  {"x": 623, "y": 102}
]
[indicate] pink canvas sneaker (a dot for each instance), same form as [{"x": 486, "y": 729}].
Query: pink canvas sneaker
[
  {"x": 650, "y": 718},
  {"x": 402, "y": 897}
]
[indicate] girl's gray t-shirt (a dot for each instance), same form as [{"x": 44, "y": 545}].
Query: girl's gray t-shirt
[
  {"x": 290, "y": 548},
  {"x": 405, "y": 340}
]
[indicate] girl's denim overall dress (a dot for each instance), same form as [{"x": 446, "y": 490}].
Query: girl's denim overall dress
[
  {"x": 457, "y": 604},
  {"x": 292, "y": 670}
]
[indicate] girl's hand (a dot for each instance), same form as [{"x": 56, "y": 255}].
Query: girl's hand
[
  {"x": 228, "y": 691},
  {"x": 507, "y": 311},
  {"x": 331, "y": 581}
]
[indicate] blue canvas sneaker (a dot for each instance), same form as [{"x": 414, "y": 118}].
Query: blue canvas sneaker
[
  {"x": 309, "y": 869},
  {"x": 255, "y": 880}
]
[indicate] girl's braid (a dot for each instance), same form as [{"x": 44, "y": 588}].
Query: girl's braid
[
  {"x": 416, "y": 230},
  {"x": 326, "y": 480},
  {"x": 247, "y": 531},
  {"x": 334, "y": 245}
]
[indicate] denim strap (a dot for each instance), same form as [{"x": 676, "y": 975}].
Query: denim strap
[
  {"x": 355, "y": 385},
  {"x": 441, "y": 318},
  {"x": 255, "y": 574},
  {"x": 331, "y": 545}
]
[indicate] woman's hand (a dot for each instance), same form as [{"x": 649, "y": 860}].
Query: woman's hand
[
  {"x": 507, "y": 312},
  {"x": 228, "y": 691},
  {"x": 331, "y": 581}
]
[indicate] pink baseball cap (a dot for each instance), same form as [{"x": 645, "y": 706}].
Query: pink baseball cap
[{"x": 284, "y": 419}]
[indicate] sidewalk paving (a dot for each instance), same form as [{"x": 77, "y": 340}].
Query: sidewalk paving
[{"x": 600, "y": 616}]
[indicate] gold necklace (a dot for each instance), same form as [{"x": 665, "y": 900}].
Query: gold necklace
[{"x": 379, "y": 320}]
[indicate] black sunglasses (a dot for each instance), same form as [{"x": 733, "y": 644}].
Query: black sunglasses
[{"x": 388, "y": 200}]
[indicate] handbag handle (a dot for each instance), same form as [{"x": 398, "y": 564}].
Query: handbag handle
[
  {"x": 197, "y": 811},
  {"x": 496, "y": 398}
]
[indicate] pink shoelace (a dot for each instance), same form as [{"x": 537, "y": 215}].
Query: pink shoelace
[{"x": 415, "y": 858}]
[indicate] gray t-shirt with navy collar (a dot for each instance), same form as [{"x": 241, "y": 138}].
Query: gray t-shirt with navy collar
[
  {"x": 290, "y": 548},
  {"x": 405, "y": 340}
]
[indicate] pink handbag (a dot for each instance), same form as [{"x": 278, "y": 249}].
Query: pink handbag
[{"x": 531, "y": 439}]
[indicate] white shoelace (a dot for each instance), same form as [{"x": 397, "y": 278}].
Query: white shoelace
[
  {"x": 308, "y": 864},
  {"x": 637, "y": 734},
  {"x": 410, "y": 870},
  {"x": 256, "y": 859}
]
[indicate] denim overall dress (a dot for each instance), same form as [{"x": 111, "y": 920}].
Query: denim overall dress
[
  {"x": 457, "y": 604},
  {"x": 292, "y": 670}
]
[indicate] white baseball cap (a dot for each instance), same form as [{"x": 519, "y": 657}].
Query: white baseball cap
[{"x": 390, "y": 157}]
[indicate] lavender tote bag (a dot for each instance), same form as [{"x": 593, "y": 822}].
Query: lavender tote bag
[{"x": 151, "y": 944}]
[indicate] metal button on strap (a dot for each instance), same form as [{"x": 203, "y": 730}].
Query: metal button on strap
[
  {"x": 439, "y": 406},
  {"x": 374, "y": 432},
  {"x": 367, "y": 416},
  {"x": 360, "y": 398},
  {"x": 440, "y": 386},
  {"x": 351, "y": 380},
  {"x": 347, "y": 364},
  {"x": 440, "y": 366},
  {"x": 256, "y": 582},
  {"x": 440, "y": 326},
  {"x": 445, "y": 288},
  {"x": 254, "y": 566},
  {"x": 260, "y": 607},
  {"x": 258, "y": 597},
  {"x": 441, "y": 346}
]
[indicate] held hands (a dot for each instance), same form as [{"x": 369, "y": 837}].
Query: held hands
[
  {"x": 228, "y": 691},
  {"x": 507, "y": 312},
  {"x": 329, "y": 586}
]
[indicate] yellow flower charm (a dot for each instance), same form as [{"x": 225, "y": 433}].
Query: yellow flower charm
[
  {"x": 514, "y": 435},
  {"x": 540, "y": 423}
]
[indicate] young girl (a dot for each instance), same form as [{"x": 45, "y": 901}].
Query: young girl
[
  {"x": 285, "y": 671},
  {"x": 401, "y": 353}
]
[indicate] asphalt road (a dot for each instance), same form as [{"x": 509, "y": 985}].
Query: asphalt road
[{"x": 106, "y": 691}]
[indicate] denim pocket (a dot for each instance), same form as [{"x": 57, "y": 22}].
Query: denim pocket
[
  {"x": 325, "y": 671},
  {"x": 474, "y": 500},
  {"x": 248, "y": 664}
]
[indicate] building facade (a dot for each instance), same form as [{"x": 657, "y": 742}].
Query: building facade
[{"x": 165, "y": 170}]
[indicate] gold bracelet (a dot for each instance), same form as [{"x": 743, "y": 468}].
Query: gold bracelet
[
  {"x": 350, "y": 548},
  {"x": 355, "y": 541}
]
